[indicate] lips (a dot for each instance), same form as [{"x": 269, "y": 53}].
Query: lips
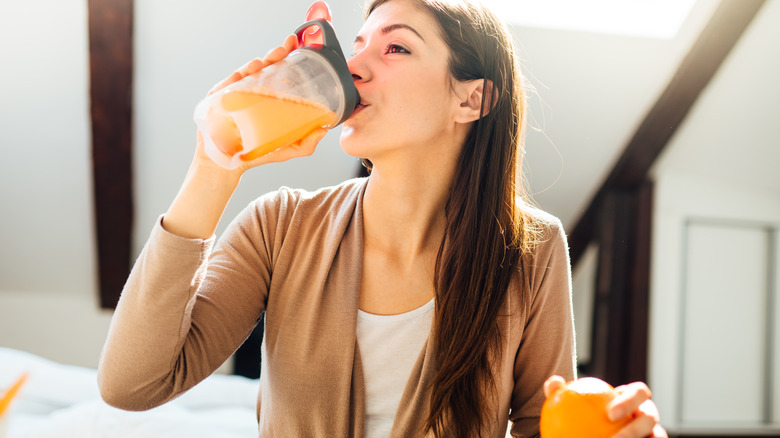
[{"x": 359, "y": 108}]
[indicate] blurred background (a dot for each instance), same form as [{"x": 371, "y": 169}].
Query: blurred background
[{"x": 666, "y": 178}]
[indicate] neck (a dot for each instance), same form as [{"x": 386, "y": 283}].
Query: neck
[
  {"x": 405, "y": 200},
  {"x": 404, "y": 211}
]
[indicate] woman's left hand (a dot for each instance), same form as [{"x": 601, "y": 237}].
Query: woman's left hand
[{"x": 633, "y": 400}]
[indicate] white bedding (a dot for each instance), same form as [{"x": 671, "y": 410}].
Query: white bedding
[{"x": 62, "y": 401}]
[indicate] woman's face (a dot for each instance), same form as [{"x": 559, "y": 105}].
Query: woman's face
[{"x": 401, "y": 72}]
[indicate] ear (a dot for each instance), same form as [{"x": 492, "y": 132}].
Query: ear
[{"x": 469, "y": 94}]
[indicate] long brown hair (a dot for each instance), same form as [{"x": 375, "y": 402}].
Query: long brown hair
[{"x": 486, "y": 231}]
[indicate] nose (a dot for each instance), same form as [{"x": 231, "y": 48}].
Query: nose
[{"x": 359, "y": 69}]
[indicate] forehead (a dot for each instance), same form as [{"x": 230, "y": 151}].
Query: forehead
[{"x": 404, "y": 12}]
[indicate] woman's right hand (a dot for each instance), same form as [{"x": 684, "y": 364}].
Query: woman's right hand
[
  {"x": 208, "y": 187},
  {"x": 304, "y": 147}
]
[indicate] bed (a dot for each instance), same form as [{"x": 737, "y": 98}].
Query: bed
[{"x": 62, "y": 401}]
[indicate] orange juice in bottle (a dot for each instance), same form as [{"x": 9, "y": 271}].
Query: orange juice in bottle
[
  {"x": 310, "y": 89},
  {"x": 252, "y": 122}
]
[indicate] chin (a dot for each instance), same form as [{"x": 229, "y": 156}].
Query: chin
[{"x": 350, "y": 142}]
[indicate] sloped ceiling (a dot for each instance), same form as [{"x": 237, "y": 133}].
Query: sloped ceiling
[
  {"x": 589, "y": 92},
  {"x": 734, "y": 135}
]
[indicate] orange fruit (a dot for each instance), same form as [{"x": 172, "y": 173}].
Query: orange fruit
[{"x": 579, "y": 409}]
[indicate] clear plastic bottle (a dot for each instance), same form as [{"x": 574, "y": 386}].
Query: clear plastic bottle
[{"x": 310, "y": 89}]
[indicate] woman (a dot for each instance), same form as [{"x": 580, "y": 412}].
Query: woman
[{"x": 426, "y": 299}]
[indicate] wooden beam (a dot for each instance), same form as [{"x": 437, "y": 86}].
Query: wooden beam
[
  {"x": 637, "y": 315},
  {"x": 724, "y": 29},
  {"x": 111, "y": 93},
  {"x": 620, "y": 312},
  {"x": 610, "y": 331}
]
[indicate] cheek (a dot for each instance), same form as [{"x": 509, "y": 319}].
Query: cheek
[
  {"x": 431, "y": 113},
  {"x": 416, "y": 106},
  {"x": 426, "y": 101}
]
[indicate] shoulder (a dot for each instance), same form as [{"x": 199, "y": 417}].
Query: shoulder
[
  {"x": 542, "y": 228},
  {"x": 286, "y": 216},
  {"x": 545, "y": 259},
  {"x": 330, "y": 200}
]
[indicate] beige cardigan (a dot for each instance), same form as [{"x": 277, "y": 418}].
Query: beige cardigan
[{"x": 296, "y": 256}]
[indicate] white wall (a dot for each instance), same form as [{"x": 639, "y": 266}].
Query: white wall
[
  {"x": 682, "y": 200},
  {"x": 583, "y": 300},
  {"x": 47, "y": 255},
  {"x": 48, "y": 291},
  {"x": 720, "y": 168}
]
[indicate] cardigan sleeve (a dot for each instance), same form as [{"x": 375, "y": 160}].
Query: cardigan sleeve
[
  {"x": 547, "y": 344},
  {"x": 185, "y": 309}
]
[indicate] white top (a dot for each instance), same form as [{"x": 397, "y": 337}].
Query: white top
[{"x": 389, "y": 347}]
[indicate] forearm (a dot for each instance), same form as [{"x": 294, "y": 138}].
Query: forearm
[
  {"x": 201, "y": 201},
  {"x": 150, "y": 323}
]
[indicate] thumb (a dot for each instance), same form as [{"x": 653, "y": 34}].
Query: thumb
[
  {"x": 319, "y": 10},
  {"x": 553, "y": 384}
]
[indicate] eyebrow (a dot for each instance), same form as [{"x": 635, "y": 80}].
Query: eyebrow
[{"x": 391, "y": 27}]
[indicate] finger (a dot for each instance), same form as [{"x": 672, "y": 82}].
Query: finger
[
  {"x": 650, "y": 409},
  {"x": 629, "y": 398},
  {"x": 309, "y": 144},
  {"x": 640, "y": 426},
  {"x": 251, "y": 67},
  {"x": 225, "y": 82},
  {"x": 659, "y": 432},
  {"x": 291, "y": 43},
  {"x": 257, "y": 64},
  {"x": 302, "y": 148},
  {"x": 644, "y": 424},
  {"x": 318, "y": 10},
  {"x": 279, "y": 53},
  {"x": 553, "y": 384}
]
